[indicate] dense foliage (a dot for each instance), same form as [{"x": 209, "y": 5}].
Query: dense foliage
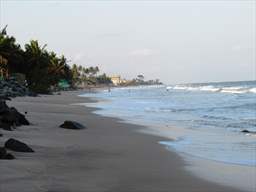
[
  {"x": 89, "y": 76},
  {"x": 43, "y": 69}
]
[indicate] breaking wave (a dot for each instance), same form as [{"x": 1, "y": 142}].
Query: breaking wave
[{"x": 211, "y": 88}]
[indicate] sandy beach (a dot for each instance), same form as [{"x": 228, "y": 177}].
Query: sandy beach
[{"x": 107, "y": 156}]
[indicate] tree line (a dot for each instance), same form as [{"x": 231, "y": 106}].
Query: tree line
[{"x": 43, "y": 69}]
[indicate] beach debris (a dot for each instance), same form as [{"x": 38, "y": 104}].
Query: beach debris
[
  {"x": 18, "y": 146},
  {"x": 5, "y": 155},
  {"x": 72, "y": 125},
  {"x": 10, "y": 117}
]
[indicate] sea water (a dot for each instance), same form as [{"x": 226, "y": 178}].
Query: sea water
[{"x": 210, "y": 115}]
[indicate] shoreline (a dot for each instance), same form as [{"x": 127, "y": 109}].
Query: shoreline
[
  {"x": 229, "y": 174},
  {"x": 108, "y": 156}
]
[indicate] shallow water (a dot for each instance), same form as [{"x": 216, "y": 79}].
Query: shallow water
[{"x": 212, "y": 114}]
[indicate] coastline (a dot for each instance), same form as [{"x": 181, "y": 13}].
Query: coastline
[
  {"x": 239, "y": 176},
  {"x": 108, "y": 156},
  {"x": 234, "y": 175}
]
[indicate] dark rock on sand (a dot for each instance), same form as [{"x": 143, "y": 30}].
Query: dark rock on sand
[
  {"x": 247, "y": 131},
  {"x": 20, "y": 118},
  {"x": 6, "y": 126},
  {"x": 13, "y": 116},
  {"x": 3, "y": 106},
  {"x": 9, "y": 156},
  {"x": 5, "y": 155},
  {"x": 18, "y": 146},
  {"x": 10, "y": 117},
  {"x": 72, "y": 125},
  {"x": 3, "y": 152}
]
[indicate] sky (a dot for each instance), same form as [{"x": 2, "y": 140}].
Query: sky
[{"x": 176, "y": 41}]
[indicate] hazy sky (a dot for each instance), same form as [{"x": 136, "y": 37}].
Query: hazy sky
[{"x": 176, "y": 41}]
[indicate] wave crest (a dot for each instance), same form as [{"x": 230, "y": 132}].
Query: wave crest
[{"x": 211, "y": 88}]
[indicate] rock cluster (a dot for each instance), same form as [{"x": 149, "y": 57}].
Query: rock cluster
[
  {"x": 11, "y": 88},
  {"x": 10, "y": 118}
]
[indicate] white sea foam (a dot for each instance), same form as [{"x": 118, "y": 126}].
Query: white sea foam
[
  {"x": 193, "y": 88},
  {"x": 180, "y": 87},
  {"x": 234, "y": 90},
  {"x": 169, "y": 87},
  {"x": 188, "y": 88},
  {"x": 139, "y": 87},
  {"x": 210, "y": 88},
  {"x": 253, "y": 90}
]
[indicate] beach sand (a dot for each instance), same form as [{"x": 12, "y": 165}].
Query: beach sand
[{"x": 107, "y": 156}]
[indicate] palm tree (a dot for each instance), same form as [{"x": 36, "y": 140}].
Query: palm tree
[
  {"x": 38, "y": 62},
  {"x": 42, "y": 68},
  {"x": 11, "y": 51},
  {"x": 75, "y": 73}
]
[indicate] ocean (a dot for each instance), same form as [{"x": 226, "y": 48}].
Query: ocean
[{"x": 204, "y": 120}]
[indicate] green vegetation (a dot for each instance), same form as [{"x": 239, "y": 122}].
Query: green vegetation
[
  {"x": 43, "y": 69},
  {"x": 89, "y": 76}
]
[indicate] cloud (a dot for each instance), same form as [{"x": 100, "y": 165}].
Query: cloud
[
  {"x": 142, "y": 52},
  {"x": 76, "y": 58},
  {"x": 236, "y": 48},
  {"x": 55, "y": 3},
  {"x": 108, "y": 35}
]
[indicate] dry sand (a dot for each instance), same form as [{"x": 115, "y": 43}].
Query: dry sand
[{"x": 108, "y": 156}]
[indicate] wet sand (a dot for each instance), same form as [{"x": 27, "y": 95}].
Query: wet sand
[{"x": 107, "y": 156}]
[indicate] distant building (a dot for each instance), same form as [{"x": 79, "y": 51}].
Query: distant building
[
  {"x": 116, "y": 80},
  {"x": 124, "y": 81}
]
